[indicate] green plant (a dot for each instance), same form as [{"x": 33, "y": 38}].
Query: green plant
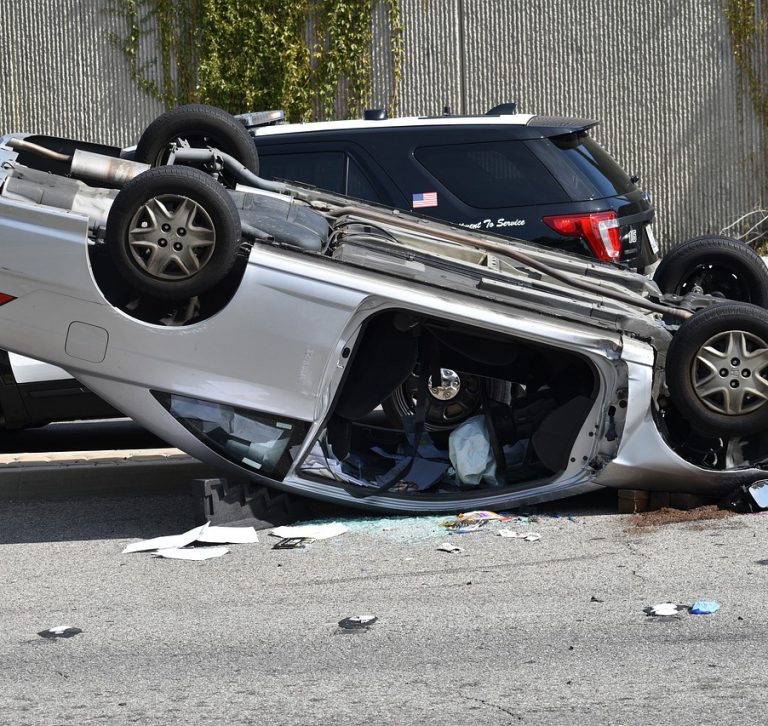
[
  {"x": 311, "y": 58},
  {"x": 748, "y": 25},
  {"x": 162, "y": 46}
]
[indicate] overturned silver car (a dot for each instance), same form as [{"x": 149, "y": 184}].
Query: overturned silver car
[{"x": 360, "y": 355}]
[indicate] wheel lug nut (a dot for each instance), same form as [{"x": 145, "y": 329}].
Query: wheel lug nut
[
  {"x": 746, "y": 373},
  {"x": 181, "y": 231},
  {"x": 734, "y": 384},
  {"x": 162, "y": 242},
  {"x": 166, "y": 227},
  {"x": 723, "y": 372},
  {"x": 735, "y": 361},
  {"x": 178, "y": 246}
]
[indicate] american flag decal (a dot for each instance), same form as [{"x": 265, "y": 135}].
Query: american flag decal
[{"x": 425, "y": 199}]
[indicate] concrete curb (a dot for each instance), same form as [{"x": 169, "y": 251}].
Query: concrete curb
[{"x": 99, "y": 473}]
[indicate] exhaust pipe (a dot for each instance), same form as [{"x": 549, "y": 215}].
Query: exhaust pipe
[{"x": 109, "y": 170}]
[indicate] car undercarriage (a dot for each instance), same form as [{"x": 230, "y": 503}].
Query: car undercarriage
[{"x": 357, "y": 354}]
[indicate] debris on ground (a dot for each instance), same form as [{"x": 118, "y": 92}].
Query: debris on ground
[
  {"x": 60, "y": 631},
  {"x": 704, "y": 607},
  {"x": 467, "y": 528},
  {"x": 228, "y": 535},
  {"x": 448, "y": 547},
  {"x": 293, "y": 543},
  {"x": 358, "y": 622},
  {"x": 665, "y": 609},
  {"x": 746, "y": 499},
  {"x": 480, "y": 518},
  {"x": 403, "y": 530},
  {"x": 191, "y": 553},
  {"x": 759, "y": 493},
  {"x": 175, "y": 546},
  {"x": 311, "y": 531},
  {"x": 667, "y": 515},
  {"x": 525, "y": 536},
  {"x": 595, "y": 599}
]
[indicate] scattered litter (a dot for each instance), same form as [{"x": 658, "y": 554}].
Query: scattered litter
[
  {"x": 665, "y": 609},
  {"x": 358, "y": 622},
  {"x": 759, "y": 493},
  {"x": 60, "y": 631},
  {"x": 467, "y": 528},
  {"x": 595, "y": 599},
  {"x": 191, "y": 553},
  {"x": 448, "y": 547},
  {"x": 472, "y": 521},
  {"x": 175, "y": 546},
  {"x": 311, "y": 531},
  {"x": 292, "y": 543},
  {"x": 482, "y": 514},
  {"x": 168, "y": 542},
  {"x": 526, "y": 536},
  {"x": 704, "y": 607},
  {"x": 228, "y": 535}
]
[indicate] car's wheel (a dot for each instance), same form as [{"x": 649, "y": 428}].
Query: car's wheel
[
  {"x": 717, "y": 370},
  {"x": 454, "y": 399},
  {"x": 199, "y": 126},
  {"x": 173, "y": 232},
  {"x": 719, "y": 266}
]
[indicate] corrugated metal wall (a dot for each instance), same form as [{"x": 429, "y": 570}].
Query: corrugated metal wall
[
  {"x": 660, "y": 75},
  {"x": 60, "y": 73}
]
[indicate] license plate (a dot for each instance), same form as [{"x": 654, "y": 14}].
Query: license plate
[{"x": 652, "y": 239}]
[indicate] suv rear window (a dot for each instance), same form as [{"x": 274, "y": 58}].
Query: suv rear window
[
  {"x": 491, "y": 175},
  {"x": 594, "y": 163}
]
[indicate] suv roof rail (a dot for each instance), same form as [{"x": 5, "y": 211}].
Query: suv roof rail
[
  {"x": 375, "y": 114},
  {"x": 503, "y": 109},
  {"x": 261, "y": 118}
]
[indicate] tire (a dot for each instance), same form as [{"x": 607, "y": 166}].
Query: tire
[
  {"x": 715, "y": 265},
  {"x": 465, "y": 393},
  {"x": 201, "y": 126},
  {"x": 186, "y": 255},
  {"x": 717, "y": 370}
]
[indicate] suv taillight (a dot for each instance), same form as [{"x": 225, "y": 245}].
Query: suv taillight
[{"x": 600, "y": 229}]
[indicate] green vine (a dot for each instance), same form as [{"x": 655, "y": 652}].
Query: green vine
[
  {"x": 169, "y": 70},
  {"x": 312, "y": 58},
  {"x": 748, "y": 25}
]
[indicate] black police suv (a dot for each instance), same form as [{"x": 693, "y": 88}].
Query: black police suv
[{"x": 536, "y": 178}]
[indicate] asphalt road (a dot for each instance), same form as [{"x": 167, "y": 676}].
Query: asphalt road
[{"x": 506, "y": 632}]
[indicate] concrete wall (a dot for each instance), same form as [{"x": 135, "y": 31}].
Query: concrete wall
[{"x": 659, "y": 74}]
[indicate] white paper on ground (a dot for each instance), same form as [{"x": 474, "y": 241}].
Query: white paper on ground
[
  {"x": 192, "y": 553},
  {"x": 313, "y": 531},
  {"x": 665, "y": 608},
  {"x": 229, "y": 535},
  {"x": 527, "y": 536},
  {"x": 168, "y": 542}
]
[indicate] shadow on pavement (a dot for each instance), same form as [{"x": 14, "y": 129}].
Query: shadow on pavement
[{"x": 144, "y": 516}]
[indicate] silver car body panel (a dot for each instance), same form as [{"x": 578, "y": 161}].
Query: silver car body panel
[{"x": 278, "y": 347}]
